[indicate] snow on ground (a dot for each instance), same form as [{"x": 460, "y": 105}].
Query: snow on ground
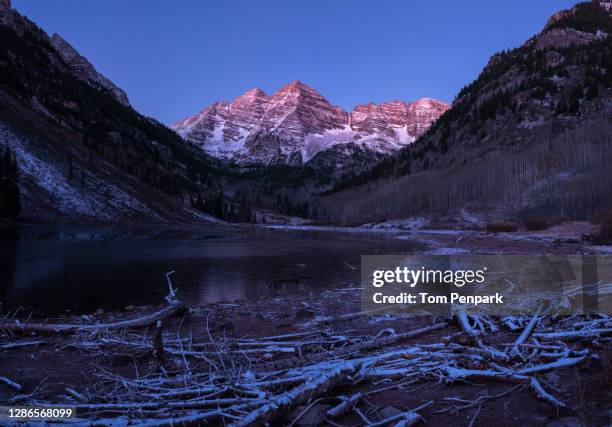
[
  {"x": 401, "y": 224},
  {"x": 402, "y": 135},
  {"x": 315, "y": 143},
  {"x": 217, "y": 145},
  {"x": 48, "y": 178},
  {"x": 447, "y": 251},
  {"x": 89, "y": 197},
  {"x": 444, "y": 232},
  {"x": 601, "y": 249}
]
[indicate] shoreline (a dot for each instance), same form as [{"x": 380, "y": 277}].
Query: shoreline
[{"x": 271, "y": 339}]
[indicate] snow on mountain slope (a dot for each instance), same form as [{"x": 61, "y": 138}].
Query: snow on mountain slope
[
  {"x": 295, "y": 123},
  {"x": 83, "y": 154}
]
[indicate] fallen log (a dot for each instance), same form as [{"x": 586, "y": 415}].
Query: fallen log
[
  {"x": 385, "y": 341},
  {"x": 11, "y": 384},
  {"x": 348, "y": 316},
  {"x": 297, "y": 396},
  {"x": 573, "y": 335},
  {"x": 75, "y": 394},
  {"x": 561, "y": 363},
  {"x": 405, "y": 419},
  {"x": 183, "y": 404},
  {"x": 528, "y": 329},
  {"x": 463, "y": 320},
  {"x": 349, "y": 349},
  {"x": 194, "y": 419},
  {"x": 462, "y": 374},
  {"x": 68, "y": 328},
  {"x": 408, "y": 420},
  {"x": 544, "y": 395},
  {"x": 346, "y": 405},
  {"x": 19, "y": 344}
]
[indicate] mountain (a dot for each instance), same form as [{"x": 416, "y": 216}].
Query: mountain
[
  {"x": 83, "y": 69},
  {"x": 82, "y": 152},
  {"x": 530, "y": 136},
  {"x": 296, "y": 123}
]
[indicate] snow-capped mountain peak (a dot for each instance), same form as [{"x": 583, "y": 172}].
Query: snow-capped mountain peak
[{"x": 295, "y": 123}]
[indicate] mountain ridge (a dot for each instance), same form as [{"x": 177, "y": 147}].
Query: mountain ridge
[
  {"x": 508, "y": 135},
  {"x": 295, "y": 123},
  {"x": 83, "y": 155}
]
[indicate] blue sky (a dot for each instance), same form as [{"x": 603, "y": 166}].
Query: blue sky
[{"x": 175, "y": 57}]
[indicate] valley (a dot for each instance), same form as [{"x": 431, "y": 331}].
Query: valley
[{"x": 211, "y": 271}]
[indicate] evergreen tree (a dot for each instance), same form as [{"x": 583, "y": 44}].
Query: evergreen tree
[
  {"x": 70, "y": 166},
  {"x": 10, "y": 196}
]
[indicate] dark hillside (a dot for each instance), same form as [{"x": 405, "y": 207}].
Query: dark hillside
[{"x": 555, "y": 87}]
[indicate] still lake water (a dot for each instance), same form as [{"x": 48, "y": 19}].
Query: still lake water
[{"x": 82, "y": 269}]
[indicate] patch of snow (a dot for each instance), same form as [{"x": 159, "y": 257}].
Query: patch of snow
[
  {"x": 443, "y": 232},
  {"x": 447, "y": 251},
  {"x": 601, "y": 249},
  {"x": 402, "y": 224},
  {"x": 529, "y": 124},
  {"x": 105, "y": 203},
  {"x": 402, "y": 135}
]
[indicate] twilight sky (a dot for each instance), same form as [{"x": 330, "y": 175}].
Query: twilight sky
[{"x": 175, "y": 57}]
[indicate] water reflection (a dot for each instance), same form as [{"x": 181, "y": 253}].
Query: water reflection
[{"x": 63, "y": 271}]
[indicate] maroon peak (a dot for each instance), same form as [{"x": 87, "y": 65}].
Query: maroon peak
[
  {"x": 254, "y": 93},
  {"x": 296, "y": 86},
  {"x": 296, "y": 122}
]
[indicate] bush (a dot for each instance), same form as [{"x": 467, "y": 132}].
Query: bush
[
  {"x": 501, "y": 227},
  {"x": 604, "y": 236},
  {"x": 557, "y": 219},
  {"x": 535, "y": 223}
]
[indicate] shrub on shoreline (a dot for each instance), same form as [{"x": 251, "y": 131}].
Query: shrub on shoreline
[
  {"x": 501, "y": 227},
  {"x": 535, "y": 223},
  {"x": 604, "y": 235}
]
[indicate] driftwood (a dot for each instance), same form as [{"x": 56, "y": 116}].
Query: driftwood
[
  {"x": 464, "y": 321},
  {"x": 390, "y": 340},
  {"x": 529, "y": 328},
  {"x": 67, "y": 328},
  {"x": 310, "y": 390},
  {"x": 10, "y": 384},
  {"x": 544, "y": 395},
  {"x": 405, "y": 419},
  {"x": 230, "y": 382},
  {"x": 19, "y": 344},
  {"x": 346, "y": 405},
  {"x": 409, "y": 419},
  {"x": 72, "y": 392},
  {"x": 573, "y": 335}
]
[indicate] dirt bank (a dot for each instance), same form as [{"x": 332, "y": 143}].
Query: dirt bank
[{"x": 228, "y": 353}]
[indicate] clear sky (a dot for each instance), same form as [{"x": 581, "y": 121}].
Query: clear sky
[{"x": 175, "y": 57}]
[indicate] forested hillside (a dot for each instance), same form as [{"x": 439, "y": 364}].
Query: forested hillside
[
  {"x": 530, "y": 134},
  {"x": 81, "y": 152}
]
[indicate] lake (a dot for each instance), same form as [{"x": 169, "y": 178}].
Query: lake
[{"x": 84, "y": 268}]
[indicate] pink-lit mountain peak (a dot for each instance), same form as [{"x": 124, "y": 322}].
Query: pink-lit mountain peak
[
  {"x": 254, "y": 93},
  {"x": 296, "y": 122}
]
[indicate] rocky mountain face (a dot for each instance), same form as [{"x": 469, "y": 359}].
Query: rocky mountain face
[
  {"x": 556, "y": 81},
  {"x": 79, "y": 65},
  {"x": 83, "y": 69},
  {"x": 532, "y": 132},
  {"x": 296, "y": 123},
  {"x": 83, "y": 153}
]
